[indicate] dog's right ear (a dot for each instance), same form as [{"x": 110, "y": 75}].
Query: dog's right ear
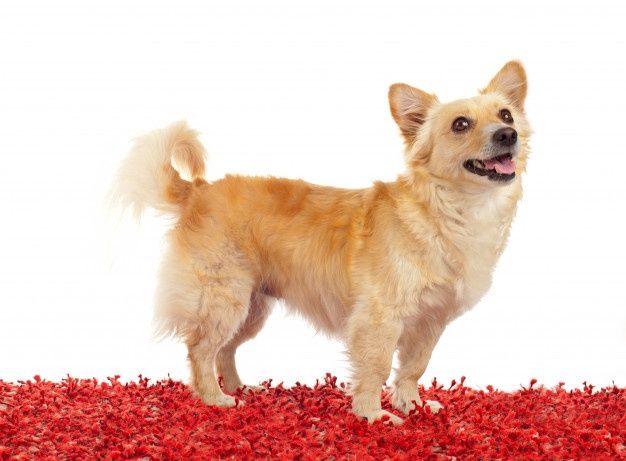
[
  {"x": 409, "y": 107},
  {"x": 510, "y": 81}
]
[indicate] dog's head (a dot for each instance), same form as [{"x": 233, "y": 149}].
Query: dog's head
[{"x": 481, "y": 140}]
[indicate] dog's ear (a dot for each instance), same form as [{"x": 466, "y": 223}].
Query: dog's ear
[
  {"x": 409, "y": 107},
  {"x": 510, "y": 82}
]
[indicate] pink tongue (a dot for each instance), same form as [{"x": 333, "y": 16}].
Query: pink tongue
[{"x": 504, "y": 167}]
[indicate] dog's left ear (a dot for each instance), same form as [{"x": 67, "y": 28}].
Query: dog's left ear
[
  {"x": 510, "y": 82},
  {"x": 409, "y": 107}
]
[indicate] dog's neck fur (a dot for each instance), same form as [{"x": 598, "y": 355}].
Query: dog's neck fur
[
  {"x": 468, "y": 226},
  {"x": 459, "y": 209}
]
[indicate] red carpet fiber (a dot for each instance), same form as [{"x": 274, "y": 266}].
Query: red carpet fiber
[{"x": 86, "y": 419}]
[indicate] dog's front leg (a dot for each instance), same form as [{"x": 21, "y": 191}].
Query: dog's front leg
[
  {"x": 372, "y": 339},
  {"x": 415, "y": 347}
]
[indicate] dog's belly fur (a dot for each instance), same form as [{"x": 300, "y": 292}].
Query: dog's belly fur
[{"x": 322, "y": 309}]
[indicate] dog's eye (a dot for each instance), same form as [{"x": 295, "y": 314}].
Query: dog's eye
[
  {"x": 460, "y": 124},
  {"x": 506, "y": 116}
]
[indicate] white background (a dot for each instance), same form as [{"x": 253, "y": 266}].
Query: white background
[{"x": 300, "y": 91}]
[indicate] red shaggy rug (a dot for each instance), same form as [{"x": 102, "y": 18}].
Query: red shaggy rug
[{"x": 87, "y": 419}]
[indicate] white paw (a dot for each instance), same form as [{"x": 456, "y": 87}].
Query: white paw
[
  {"x": 402, "y": 399},
  {"x": 434, "y": 406},
  {"x": 252, "y": 388},
  {"x": 222, "y": 400},
  {"x": 378, "y": 414}
]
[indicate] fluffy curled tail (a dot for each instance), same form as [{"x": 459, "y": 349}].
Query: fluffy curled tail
[{"x": 147, "y": 178}]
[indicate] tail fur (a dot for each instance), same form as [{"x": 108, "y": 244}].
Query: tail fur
[{"x": 147, "y": 178}]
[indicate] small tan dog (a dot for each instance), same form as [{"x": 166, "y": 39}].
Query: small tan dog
[{"x": 385, "y": 268}]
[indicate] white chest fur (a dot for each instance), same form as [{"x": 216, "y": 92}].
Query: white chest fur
[
  {"x": 479, "y": 238},
  {"x": 459, "y": 252}
]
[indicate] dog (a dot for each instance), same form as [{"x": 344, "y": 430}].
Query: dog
[{"x": 385, "y": 268}]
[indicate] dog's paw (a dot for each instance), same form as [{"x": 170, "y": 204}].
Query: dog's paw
[
  {"x": 434, "y": 406},
  {"x": 247, "y": 388},
  {"x": 403, "y": 398},
  {"x": 377, "y": 415},
  {"x": 244, "y": 389},
  {"x": 222, "y": 400}
]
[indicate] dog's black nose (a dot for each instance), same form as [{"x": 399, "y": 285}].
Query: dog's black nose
[{"x": 505, "y": 136}]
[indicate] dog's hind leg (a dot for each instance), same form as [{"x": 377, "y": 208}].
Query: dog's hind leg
[
  {"x": 257, "y": 315},
  {"x": 223, "y": 307}
]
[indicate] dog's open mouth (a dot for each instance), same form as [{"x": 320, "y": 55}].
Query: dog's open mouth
[{"x": 499, "y": 168}]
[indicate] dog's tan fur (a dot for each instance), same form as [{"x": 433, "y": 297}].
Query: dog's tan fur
[{"x": 384, "y": 268}]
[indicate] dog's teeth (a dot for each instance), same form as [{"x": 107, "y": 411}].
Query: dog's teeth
[{"x": 478, "y": 164}]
